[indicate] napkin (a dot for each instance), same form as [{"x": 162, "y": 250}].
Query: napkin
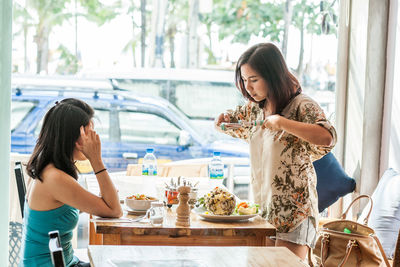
[{"x": 116, "y": 220}]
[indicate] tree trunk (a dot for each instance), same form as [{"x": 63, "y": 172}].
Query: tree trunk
[
  {"x": 143, "y": 33},
  {"x": 42, "y": 42},
  {"x": 171, "y": 37},
  {"x": 26, "y": 63},
  {"x": 211, "y": 57},
  {"x": 299, "y": 69},
  {"x": 193, "y": 43},
  {"x": 133, "y": 44},
  {"x": 157, "y": 42},
  {"x": 288, "y": 12}
]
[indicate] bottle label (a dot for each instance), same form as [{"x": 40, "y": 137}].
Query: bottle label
[
  {"x": 145, "y": 171},
  {"x": 152, "y": 171},
  {"x": 216, "y": 173}
]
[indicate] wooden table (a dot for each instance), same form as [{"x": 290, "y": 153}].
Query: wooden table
[
  {"x": 157, "y": 256},
  {"x": 254, "y": 232}
]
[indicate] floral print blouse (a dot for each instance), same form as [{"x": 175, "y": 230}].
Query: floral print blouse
[{"x": 282, "y": 174}]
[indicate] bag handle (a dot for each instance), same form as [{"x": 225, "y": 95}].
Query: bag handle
[
  {"x": 324, "y": 248},
  {"x": 381, "y": 250},
  {"x": 344, "y": 215},
  {"x": 349, "y": 247}
]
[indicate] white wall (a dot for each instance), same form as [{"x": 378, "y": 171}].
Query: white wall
[{"x": 394, "y": 145}]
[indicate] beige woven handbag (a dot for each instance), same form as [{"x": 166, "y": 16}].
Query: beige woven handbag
[{"x": 348, "y": 243}]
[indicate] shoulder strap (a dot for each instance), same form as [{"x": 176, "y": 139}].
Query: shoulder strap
[{"x": 381, "y": 250}]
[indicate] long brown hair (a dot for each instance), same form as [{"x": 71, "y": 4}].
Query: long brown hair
[
  {"x": 268, "y": 62},
  {"x": 57, "y": 138}
]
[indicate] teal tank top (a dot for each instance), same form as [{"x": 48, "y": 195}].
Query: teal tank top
[{"x": 35, "y": 239}]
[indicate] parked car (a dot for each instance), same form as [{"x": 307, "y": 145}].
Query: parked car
[
  {"x": 200, "y": 94},
  {"x": 127, "y": 122}
]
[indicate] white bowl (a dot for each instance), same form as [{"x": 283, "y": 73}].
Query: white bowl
[{"x": 139, "y": 204}]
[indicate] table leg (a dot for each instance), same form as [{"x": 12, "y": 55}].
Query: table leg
[
  {"x": 94, "y": 238},
  {"x": 112, "y": 239}
]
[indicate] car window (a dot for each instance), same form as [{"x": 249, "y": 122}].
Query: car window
[
  {"x": 210, "y": 98},
  {"x": 149, "y": 87},
  {"x": 101, "y": 122},
  {"x": 201, "y": 100},
  {"x": 147, "y": 128},
  {"x": 19, "y": 110}
]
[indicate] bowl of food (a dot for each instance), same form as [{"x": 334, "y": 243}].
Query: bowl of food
[{"x": 139, "y": 202}]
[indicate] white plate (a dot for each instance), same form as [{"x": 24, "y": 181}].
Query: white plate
[
  {"x": 222, "y": 218},
  {"x": 134, "y": 211}
]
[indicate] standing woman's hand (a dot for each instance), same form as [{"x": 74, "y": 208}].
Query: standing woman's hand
[
  {"x": 90, "y": 144},
  {"x": 273, "y": 122},
  {"x": 223, "y": 117}
]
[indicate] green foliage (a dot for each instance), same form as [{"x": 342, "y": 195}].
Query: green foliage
[
  {"x": 329, "y": 20},
  {"x": 98, "y": 12},
  {"x": 240, "y": 20},
  {"x": 68, "y": 63}
]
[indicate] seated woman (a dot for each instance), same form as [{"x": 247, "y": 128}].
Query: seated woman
[{"x": 55, "y": 197}]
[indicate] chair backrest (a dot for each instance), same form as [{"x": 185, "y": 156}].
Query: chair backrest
[
  {"x": 188, "y": 170},
  {"x": 56, "y": 251},
  {"x": 19, "y": 176},
  {"x": 172, "y": 170}
]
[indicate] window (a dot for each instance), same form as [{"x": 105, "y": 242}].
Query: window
[
  {"x": 19, "y": 110},
  {"x": 206, "y": 99},
  {"x": 146, "y": 128},
  {"x": 210, "y": 98},
  {"x": 101, "y": 122},
  {"x": 148, "y": 87}
]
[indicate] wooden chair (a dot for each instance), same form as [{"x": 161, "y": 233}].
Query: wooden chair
[
  {"x": 188, "y": 170},
  {"x": 19, "y": 176},
  {"x": 172, "y": 170},
  {"x": 56, "y": 251},
  {"x": 396, "y": 258}
]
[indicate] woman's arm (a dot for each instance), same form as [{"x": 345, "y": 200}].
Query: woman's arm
[
  {"x": 67, "y": 190},
  {"x": 312, "y": 133}
]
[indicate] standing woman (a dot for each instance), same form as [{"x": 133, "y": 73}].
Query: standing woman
[
  {"x": 55, "y": 198},
  {"x": 294, "y": 133}
]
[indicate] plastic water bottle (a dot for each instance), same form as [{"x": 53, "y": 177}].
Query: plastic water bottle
[
  {"x": 149, "y": 166},
  {"x": 216, "y": 167}
]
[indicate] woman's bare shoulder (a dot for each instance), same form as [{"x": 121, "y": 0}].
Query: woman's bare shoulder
[{"x": 51, "y": 175}]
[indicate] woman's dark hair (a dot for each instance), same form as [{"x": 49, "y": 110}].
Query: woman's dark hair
[
  {"x": 268, "y": 62},
  {"x": 57, "y": 138}
]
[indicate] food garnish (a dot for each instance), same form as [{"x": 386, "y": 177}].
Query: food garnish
[
  {"x": 141, "y": 197},
  {"x": 245, "y": 208}
]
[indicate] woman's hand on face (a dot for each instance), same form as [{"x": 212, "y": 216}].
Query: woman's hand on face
[
  {"x": 273, "y": 122},
  {"x": 90, "y": 144},
  {"x": 223, "y": 117}
]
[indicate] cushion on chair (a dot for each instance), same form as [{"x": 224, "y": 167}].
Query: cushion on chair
[
  {"x": 385, "y": 214},
  {"x": 332, "y": 181}
]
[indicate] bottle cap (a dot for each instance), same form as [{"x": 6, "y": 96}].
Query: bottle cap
[
  {"x": 149, "y": 150},
  {"x": 216, "y": 153}
]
